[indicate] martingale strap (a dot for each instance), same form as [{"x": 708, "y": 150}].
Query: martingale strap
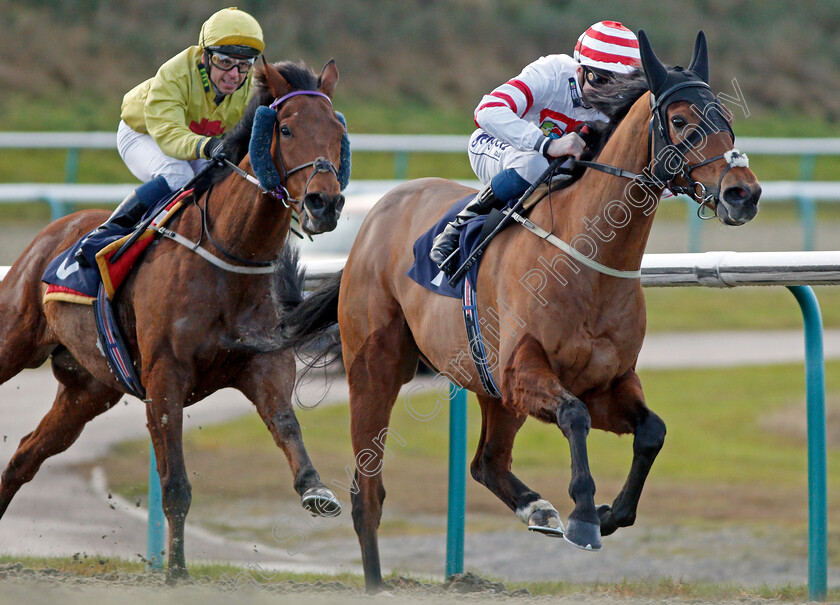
[
  {"x": 559, "y": 243},
  {"x": 196, "y": 247},
  {"x": 477, "y": 351}
]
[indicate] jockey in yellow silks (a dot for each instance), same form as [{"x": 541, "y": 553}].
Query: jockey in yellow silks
[{"x": 171, "y": 124}]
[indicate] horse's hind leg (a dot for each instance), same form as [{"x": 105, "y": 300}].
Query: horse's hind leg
[
  {"x": 624, "y": 405},
  {"x": 491, "y": 468},
  {"x": 24, "y": 341},
  {"x": 268, "y": 382},
  {"x": 80, "y": 398},
  {"x": 384, "y": 362}
]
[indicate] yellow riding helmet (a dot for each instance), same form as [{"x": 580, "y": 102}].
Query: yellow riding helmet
[{"x": 234, "y": 29}]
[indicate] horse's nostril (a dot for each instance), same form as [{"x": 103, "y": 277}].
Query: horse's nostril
[
  {"x": 735, "y": 195},
  {"x": 314, "y": 201}
]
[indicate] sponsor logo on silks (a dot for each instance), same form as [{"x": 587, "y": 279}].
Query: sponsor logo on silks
[
  {"x": 486, "y": 139},
  {"x": 207, "y": 128},
  {"x": 551, "y": 130},
  {"x": 574, "y": 92},
  {"x": 205, "y": 80}
]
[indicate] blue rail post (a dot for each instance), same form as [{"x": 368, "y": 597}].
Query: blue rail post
[
  {"x": 157, "y": 522},
  {"x": 817, "y": 479},
  {"x": 456, "y": 510}
]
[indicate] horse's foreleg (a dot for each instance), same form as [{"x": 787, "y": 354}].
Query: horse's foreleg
[
  {"x": 491, "y": 468},
  {"x": 80, "y": 398},
  {"x": 165, "y": 416},
  {"x": 530, "y": 385},
  {"x": 269, "y": 382},
  {"x": 626, "y": 403}
]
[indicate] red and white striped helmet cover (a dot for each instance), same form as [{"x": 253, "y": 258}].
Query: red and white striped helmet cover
[{"x": 609, "y": 46}]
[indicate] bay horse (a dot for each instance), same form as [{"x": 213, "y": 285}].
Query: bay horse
[
  {"x": 192, "y": 328},
  {"x": 565, "y": 330}
]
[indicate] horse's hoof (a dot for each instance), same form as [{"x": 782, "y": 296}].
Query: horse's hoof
[
  {"x": 546, "y": 521},
  {"x": 608, "y": 524},
  {"x": 321, "y": 502},
  {"x": 586, "y": 536},
  {"x": 555, "y": 532},
  {"x": 177, "y": 576}
]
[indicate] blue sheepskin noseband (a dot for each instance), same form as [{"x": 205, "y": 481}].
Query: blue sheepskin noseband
[
  {"x": 259, "y": 149},
  {"x": 344, "y": 158}
]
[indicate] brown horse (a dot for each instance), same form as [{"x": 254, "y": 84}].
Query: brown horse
[
  {"x": 565, "y": 332},
  {"x": 191, "y": 327}
]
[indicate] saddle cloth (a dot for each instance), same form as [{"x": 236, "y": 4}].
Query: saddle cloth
[
  {"x": 425, "y": 272},
  {"x": 70, "y": 282}
]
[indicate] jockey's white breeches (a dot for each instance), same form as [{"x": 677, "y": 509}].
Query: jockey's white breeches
[
  {"x": 489, "y": 156},
  {"x": 146, "y": 160}
]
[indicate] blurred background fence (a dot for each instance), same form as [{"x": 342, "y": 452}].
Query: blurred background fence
[{"x": 804, "y": 192}]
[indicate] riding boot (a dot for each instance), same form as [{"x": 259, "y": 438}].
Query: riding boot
[
  {"x": 130, "y": 211},
  {"x": 444, "y": 250}
]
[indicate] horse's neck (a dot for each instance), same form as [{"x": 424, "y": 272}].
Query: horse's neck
[
  {"x": 245, "y": 222},
  {"x": 607, "y": 212}
]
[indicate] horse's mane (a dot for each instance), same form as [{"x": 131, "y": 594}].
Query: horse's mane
[
  {"x": 236, "y": 140},
  {"x": 615, "y": 98}
]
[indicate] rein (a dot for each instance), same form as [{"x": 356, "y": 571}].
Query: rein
[
  {"x": 659, "y": 139},
  {"x": 658, "y": 136}
]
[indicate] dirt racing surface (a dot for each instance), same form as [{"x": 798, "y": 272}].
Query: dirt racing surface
[{"x": 50, "y": 586}]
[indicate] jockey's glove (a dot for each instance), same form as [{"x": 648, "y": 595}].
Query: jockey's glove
[{"x": 214, "y": 149}]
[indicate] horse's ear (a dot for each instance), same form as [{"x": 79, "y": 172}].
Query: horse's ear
[
  {"x": 328, "y": 78},
  {"x": 654, "y": 70},
  {"x": 276, "y": 82},
  {"x": 700, "y": 57}
]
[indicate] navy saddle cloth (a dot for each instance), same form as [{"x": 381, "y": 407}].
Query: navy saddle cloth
[
  {"x": 424, "y": 271},
  {"x": 65, "y": 271}
]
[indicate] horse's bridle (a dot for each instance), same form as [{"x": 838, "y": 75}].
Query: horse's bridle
[
  {"x": 281, "y": 193},
  {"x": 659, "y": 140},
  {"x": 319, "y": 164}
]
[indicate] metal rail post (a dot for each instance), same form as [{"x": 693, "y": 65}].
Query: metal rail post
[
  {"x": 817, "y": 472},
  {"x": 456, "y": 510}
]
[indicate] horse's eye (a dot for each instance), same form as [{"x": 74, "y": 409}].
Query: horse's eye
[
  {"x": 678, "y": 121},
  {"x": 284, "y": 130}
]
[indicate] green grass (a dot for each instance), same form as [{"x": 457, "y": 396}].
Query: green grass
[
  {"x": 722, "y": 441},
  {"x": 91, "y": 564},
  {"x": 744, "y": 308},
  {"x": 668, "y": 588}
]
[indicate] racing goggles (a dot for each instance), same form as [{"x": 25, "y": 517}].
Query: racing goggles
[
  {"x": 595, "y": 77},
  {"x": 227, "y": 62}
]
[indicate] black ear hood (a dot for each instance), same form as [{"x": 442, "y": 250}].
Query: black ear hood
[
  {"x": 662, "y": 80},
  {"x": 671, "y": 84}
]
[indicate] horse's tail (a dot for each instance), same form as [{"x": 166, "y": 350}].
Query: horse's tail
[
  {"x": 287, "y": 280},
  {"x": 310, "y": 324}
]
